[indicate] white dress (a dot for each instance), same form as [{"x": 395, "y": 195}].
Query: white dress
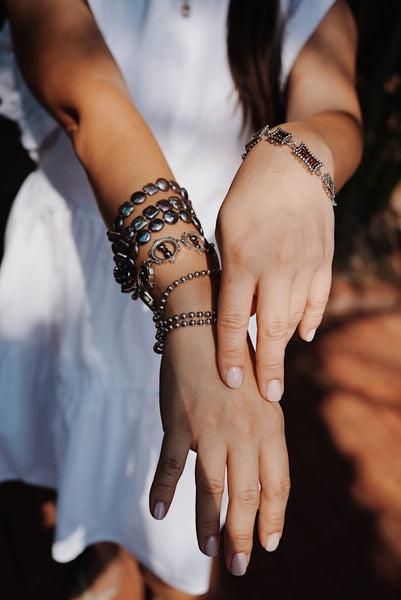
[{"x": 78, "y": 377}]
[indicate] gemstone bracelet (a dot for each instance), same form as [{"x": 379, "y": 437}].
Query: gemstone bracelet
[{"x": 280, "y": 137}]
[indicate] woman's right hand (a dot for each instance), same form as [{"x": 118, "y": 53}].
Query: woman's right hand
[{"x": 233, "y": 429}]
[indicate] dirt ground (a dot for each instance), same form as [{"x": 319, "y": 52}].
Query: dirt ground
[{"x": 343, "y": 417}]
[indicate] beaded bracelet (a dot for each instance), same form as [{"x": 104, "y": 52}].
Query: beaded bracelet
[
  {"x": 142, "y": 226},
  {"x": 163, "y": 325},
  {"x": 280, "y": 137}
]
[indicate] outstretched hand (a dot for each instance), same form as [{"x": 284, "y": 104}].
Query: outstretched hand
[
  {"x": 275, "y": 233},
  {"x": 229, "y": 429}
]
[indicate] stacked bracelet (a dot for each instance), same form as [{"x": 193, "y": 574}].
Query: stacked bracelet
[
  {"x": 280, "y": 137},
  {"x": 164, "y": 326}
]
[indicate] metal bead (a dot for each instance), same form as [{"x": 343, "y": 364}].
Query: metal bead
[
  {"x": 199, "y": 314},
  {"x": 191, "y": 315},
  {"x": 176, "y": 282},
  {"x": 190, "y": 276},
  {"x": 176, "y": 325},
  {"x": 170, "y": 320},
  {"x": 176, "y": 317},
  {"x": 208, "y": 313},
  {"x": 170, "y": 288},
  {"x": 203, "y": 273},
  {"x": 208, "y": 322},
  {"x": 183, "y": 316},
  {"x": 183, "y": 279},
  {"x": 170, "y": 328},
  {"x": 192, "y": 322},
  {"x": 200, "y": 322},
  {"x": 184, "y": 324},
  {"x": 196, "y": 274}
]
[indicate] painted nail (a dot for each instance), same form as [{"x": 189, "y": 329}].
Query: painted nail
[
  {"x": 273, "y": 541},
  {"x": 274, "y": 390},
  {"x": 310, "y": 335},
  {"x": 211, "y": 546},
  {"x": 238, "y": 564},
  {"x": 234, "y": 377},
  {"x": 159, "y": 511}
]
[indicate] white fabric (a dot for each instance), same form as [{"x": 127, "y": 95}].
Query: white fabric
[{"x": 79, "y": 380}]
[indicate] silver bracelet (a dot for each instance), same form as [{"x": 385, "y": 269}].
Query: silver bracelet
[{"x": 280, "y": 137}]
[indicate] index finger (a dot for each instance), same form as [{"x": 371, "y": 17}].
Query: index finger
[{"x": 234, "y": 309}]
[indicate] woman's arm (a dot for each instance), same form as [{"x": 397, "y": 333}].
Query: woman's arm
[
  {"x": 70, "y": 69},
  {"x": 275, "y": 228}
]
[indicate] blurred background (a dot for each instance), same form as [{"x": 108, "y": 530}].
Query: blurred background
[{"x": 343, "y": 394}]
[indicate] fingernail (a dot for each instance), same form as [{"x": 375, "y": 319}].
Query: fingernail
[
  {"x": 274, "y": 390},
  {"x": 211, "y": 546},
  {"x": 273, "y": 541},
  {"x": 310, "y": 335},
  {"x": 234, "y": 377},
  {"x": 238, "y": 564},
  {"x": 159, "y": 511}
]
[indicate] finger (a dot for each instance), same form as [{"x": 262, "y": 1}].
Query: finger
[
  {"x": 243, "y": 490},
  {"x": 272, "y": 337},
  {"x": 316, "y": 303},
  {"x": 275, "y": 487},
  {"x": 171, "y": 464},
  {"x": 234, "y": 309},
  {"x": 210, "y": 477}
]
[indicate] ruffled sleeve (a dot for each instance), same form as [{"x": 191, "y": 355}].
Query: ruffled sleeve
[{"x": 17, "y": 102}]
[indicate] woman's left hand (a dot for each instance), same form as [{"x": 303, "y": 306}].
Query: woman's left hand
[{"x": 275, "y": 233}]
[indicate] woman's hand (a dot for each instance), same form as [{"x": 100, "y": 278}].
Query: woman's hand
[
  {"x": 275, "y": 233},
  {"x": 233, "y": 429}
]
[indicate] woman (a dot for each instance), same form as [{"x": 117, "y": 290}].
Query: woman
[{"x": 76, "y": 356}]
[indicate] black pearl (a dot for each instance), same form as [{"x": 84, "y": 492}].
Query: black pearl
[
  {"x": 150, "y": 212},
  {"x": 176, "y": 202},
  {"x": 150, "y": 189},
  {"x": 118, "y": 223},
  {"x": 119, "y": 259},
  {"x": 139, "y": 223},
  {"x": 170, "y": 217},
  {"x": 163, "y": 205},
  {"x": 196, "y": 222},
  {"x": 113, "y": 236},
  {"x": 132, "y": 251},
  {"x": 128, "y": 234},
  {"x": 174, "y": 186},
  {"x": 162, "y": 184},
  {"x": 143, "y": 237},
  {"x": 126, "y": 209},
  {"x": 184, "y": 194},
  {"x": 138, "y": 197},
  {"x": 156, "y": 225},
  {"x": 185, "y": 216}
]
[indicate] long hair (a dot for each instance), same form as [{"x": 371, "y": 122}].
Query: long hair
[{"x": 253, "y": 46}]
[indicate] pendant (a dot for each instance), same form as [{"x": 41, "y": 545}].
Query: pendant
[{"x": 185, "y": 8}]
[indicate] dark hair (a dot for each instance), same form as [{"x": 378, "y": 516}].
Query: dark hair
[{"x": 253, "y": 46}]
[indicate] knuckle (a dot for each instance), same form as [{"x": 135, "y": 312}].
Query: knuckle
[
  {"x": 271, "y": 366},
  {"x": 295, "y": 318},
  {"x": 274, "y": 330},
  {"x": 273, "y": 519},
  {"x": 170, "y": 468},
  {"x": 248, "y": 498},
  {"x": 317, "y": 304},
  {"x": 212, "y": 487},
  {"x": 241, "y": 540},
  {"x": 232, "y": 321},
  {"x": 280, "y": 489}
]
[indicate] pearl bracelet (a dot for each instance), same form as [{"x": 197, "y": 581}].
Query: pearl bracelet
[
  {"x": 164, "y": 326},
  {"x": 280, "y": 137}
]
